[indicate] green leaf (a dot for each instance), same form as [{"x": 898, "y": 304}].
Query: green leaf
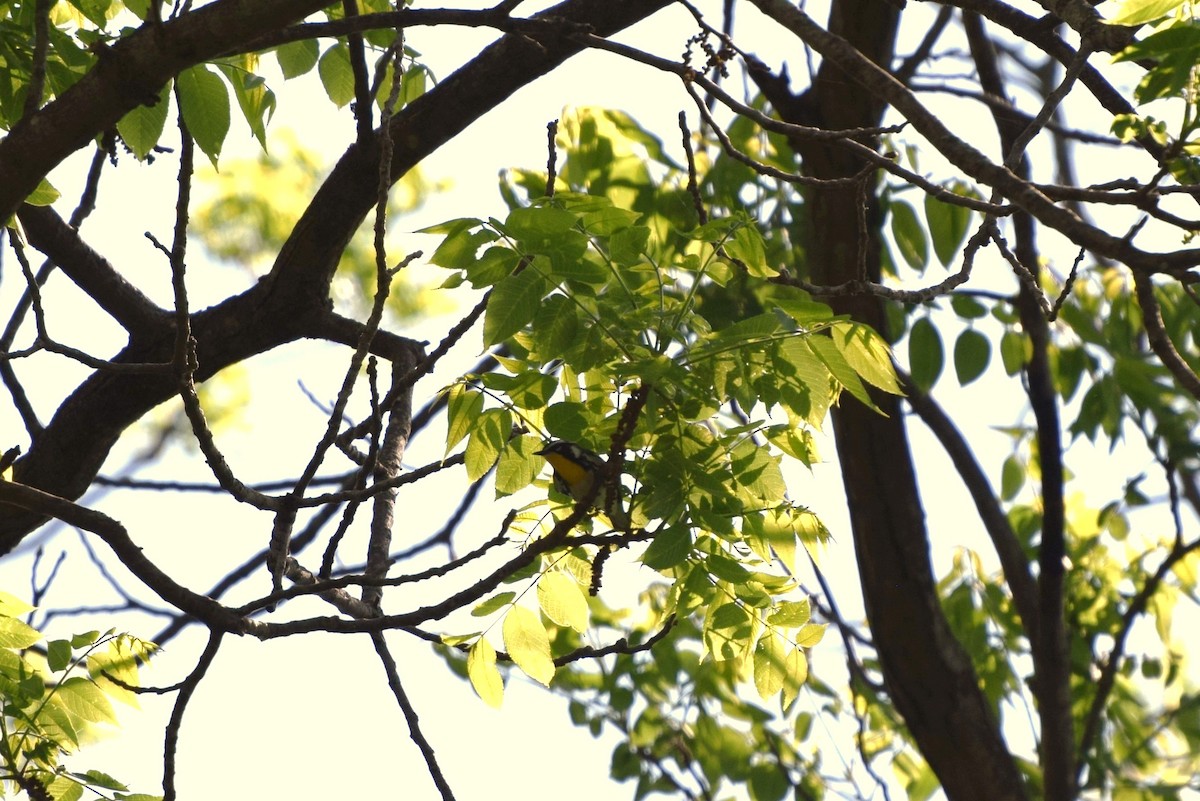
[
  {"x": 336, "y": 74},
  {"x": 204, "y": 102},
  {"x": 670, "y": 547},
  {"x": 463, "y": 407},
  {"x": 16, "y": 634},
  {"x": 96, "y": 778},
  {"x": 498, "y": 601},
  {"x": 1012, "y": 477},
  {"x": 142, "y": 127},
  {"x": 517, "y": 467},
  {"x": 527, "y": 643},
  {"x": 972, "y": 351},
  {"x": 967, "y": 307},
  {"x": 868, "y": 354},
  {"x": 1176, "y": 49},
  {"x": 44, "y": 195},
  {"x": 810, "y": 634},
  {"x": 791, "y": 614},
  {"x": 486, "y": 441},
  {"x": 747, "y": 246},
  {"x": 909, "y": 236},
  {"x": 256, "y": 101},
  {"x": 829, "y": 354},
  {"x": 727, "y": 632},
  {"x": 535, "y": 226},
  {"x": 768, "y": 782},
  {"x": 297, "y": 58},
  {"x": 770, "y": 665},
  {"x": 513, "y": 303},
  {"x": 627, "y": 245},
  {"x": 58, "y": 654},
  {"x": 948, "y": 226},
  {"x": 562, "y": 600},
  {"x": 1139, "y": 12},
  {"x": 556, "y": 323},
  {"x": 84, "y": 700},
  {"x": 1013, "y": 351},
  {"x": 797, "y": 674},
  {"x": 484, "y": 675},
  {"x": 608, "y": 220},
  {"x": 925, "y": 354},
  {"x": 11, "y": 605}
]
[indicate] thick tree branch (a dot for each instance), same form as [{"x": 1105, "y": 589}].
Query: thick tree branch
[
  {"x": 128, "y": 74},
  {"x": 927, "y": 672},
  {"x": 1012, "y": 558},
  {"x": 90, "y": 271},
  {"x": 293, "y": 300},
  {"x": 215, "y": 615},
  {"x": 1050, "y": 647}
]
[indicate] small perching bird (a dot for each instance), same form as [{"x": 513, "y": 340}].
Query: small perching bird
[{"x": 575, "y": 471}]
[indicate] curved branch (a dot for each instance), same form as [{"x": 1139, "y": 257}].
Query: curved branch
[
  {"x": 995, "y": 522},
  {"x": 90, "y": 271},
  {"x": 1159, "y": 339},
  {"x": 216, "y": 616}
]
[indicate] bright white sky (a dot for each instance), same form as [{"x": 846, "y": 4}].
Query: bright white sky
[{"x": 311, "y": 718}]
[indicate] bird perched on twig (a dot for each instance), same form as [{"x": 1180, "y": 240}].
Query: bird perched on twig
[{"x": 575, "y": 471}]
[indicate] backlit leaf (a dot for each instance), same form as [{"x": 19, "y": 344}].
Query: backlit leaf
[
  {"x": 484, "y": 675},
  {"x": 513, "y": 303},
  {"x": 204, "y": 102},
  {"x": 527, "y": 643},
  {"x": 972, "y": 351},
  {"x": 562, "y": 600}
]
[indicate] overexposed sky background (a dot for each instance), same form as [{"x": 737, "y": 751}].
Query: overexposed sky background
[{"x": 310, "y": 717}]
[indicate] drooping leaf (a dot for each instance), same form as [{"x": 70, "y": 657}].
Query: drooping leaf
[
  {"x": 463, "y": 407},
  {"x": 142, "y": 127},
  {"x": 337, "y": 76},
  {"x": 562, "y": 600},
  {"x": 297, "y": 58},
  {"x": 484, "y": 675},
  {"x": 770, "y": 664},
  {"x": 948, "y": 225},
  {"x": 909, "y": 235},
  {"x": 925, "y": 354},
  {"x": 527, "y": 643},
  {"x": 204, "y": 102},
  {"x": 517, "y": 466},
  {"x": 972, "y": 351}
]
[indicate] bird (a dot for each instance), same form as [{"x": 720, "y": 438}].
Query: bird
[{"x": 575, "y": 469}]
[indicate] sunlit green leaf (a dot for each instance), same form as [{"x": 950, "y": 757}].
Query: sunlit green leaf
[
  {"x": 513, "y": 303},
  {"x": 297, "y": 58},
  {"x": 337, "y": 76},
  {"x": 204, "y": 102},
  {"x": 141, "y": 127},
  {"x": 562, "y": 600},
  {"x": 527, "y": 643},
  {"x": 483, "y": 673},
  {"x": 16, "y": 634}
]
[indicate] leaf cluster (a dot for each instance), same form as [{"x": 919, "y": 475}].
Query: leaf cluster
[{"x": 56, "y": 696}]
